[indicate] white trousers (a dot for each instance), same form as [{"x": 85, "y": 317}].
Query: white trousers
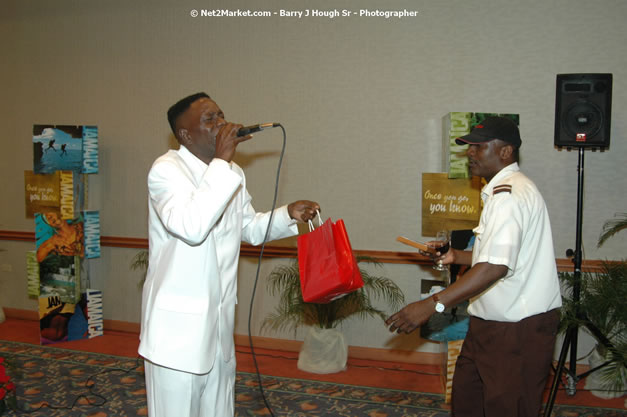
[{"x": 172, "y": 393}]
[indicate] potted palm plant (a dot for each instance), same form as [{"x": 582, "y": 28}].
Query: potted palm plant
[
  {"x": 324, "y": 349},
  {"x": 602, "y": 298}
]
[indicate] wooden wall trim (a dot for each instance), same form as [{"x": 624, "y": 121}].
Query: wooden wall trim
[
  {"x": 356, "y": 352},
  {"x": 17, "y": 236},
  {"x": 285, "y": 345},
  {"x": 386, "y": 257},
  {"x": 114, "y": 241},
  {"x": 378, "y": 354}
]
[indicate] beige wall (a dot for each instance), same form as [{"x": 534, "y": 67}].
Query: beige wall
[{"x": 361, "y": 100}]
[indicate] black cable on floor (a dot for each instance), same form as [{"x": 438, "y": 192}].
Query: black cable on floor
[{"x": 90, "y": 388}]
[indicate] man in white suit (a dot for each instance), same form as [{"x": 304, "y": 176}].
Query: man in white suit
[{"x": 199, "y": 212}]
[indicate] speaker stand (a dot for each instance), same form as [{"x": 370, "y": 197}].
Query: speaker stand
[{"x": 570, "y": 339}]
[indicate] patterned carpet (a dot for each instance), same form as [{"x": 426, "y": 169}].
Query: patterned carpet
[{"x": 83, "y": 384}]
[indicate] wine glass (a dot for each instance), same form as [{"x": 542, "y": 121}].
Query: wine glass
[{"x": 442, "y": 243}]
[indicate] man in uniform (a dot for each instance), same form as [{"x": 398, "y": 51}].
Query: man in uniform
[{"x": 512, "y": 285}]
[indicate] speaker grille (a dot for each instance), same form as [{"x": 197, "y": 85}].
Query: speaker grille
[{"x": 583, "y": 118}]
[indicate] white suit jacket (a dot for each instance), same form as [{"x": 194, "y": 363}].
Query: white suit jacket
[{"x": 198, "y": 216}]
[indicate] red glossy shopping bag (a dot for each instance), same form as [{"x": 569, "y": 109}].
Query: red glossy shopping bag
[{"x": 328, "y": 268}]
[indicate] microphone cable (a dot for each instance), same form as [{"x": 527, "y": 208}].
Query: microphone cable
[
  {"x": 263, "y": 245},
  {"x": 89, "y": 385}
]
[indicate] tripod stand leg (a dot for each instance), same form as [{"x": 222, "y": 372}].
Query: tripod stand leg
[{"x": 558, "y": 372}]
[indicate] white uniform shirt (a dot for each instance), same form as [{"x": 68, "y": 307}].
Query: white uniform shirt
[
  {"x": 514, "y": 230},
  {"x": 198, "y": 216}
]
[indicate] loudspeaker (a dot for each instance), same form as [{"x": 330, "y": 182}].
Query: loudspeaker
[{"x": 583, "y": 107}]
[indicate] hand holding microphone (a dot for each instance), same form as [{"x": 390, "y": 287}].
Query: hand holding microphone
[
  {"x": 230, "y": 135},
  {"x": 227, "y": 139}
]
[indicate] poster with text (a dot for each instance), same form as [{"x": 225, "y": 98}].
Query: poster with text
[
  {"x": 449, "y": 204},
  {"x": 65, "y": 147},
  {"x": 61, "y": 321},
  {"x": 61, "y": 192},
  {"x": 59, "y": 249}
]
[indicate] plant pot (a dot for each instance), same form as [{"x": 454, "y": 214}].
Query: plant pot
[
  {"x": 594, "y": 381},
  {"x": 324, "y": 351}
]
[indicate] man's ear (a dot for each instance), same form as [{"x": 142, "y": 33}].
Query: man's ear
[
  {"x": 183, "y": 136},
  {"x": 506, "y": 151}
]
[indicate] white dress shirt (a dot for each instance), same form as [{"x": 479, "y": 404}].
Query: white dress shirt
[{"x": 514, "y": 230}]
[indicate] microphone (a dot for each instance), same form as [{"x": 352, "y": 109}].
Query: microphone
[{"x": 247, "y": 130}]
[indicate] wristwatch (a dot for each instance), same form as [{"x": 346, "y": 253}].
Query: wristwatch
[{"x": 439, "y": 307}]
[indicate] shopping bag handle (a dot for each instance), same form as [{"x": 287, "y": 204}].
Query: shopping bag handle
[{"x": 311, "y": 224}]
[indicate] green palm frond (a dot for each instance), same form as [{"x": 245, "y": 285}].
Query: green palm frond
[
  {"x": 611, "y": 227},
  {"x": 140, "y": 262},
  {"x": 613, "y": 376},
  {"x": 602, "y": 296},
  {"x": 292, "y": 312},
  {"x": 601, "y": 304}
]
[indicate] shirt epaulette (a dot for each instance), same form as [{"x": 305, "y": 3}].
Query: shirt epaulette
[{"x": 503, "y": 188}]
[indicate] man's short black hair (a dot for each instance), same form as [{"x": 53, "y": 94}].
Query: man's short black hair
[{"x": 179, "y": 108}]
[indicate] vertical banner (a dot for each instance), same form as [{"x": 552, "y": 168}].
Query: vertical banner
[
  {"x": 95, "y": 326},
  {"x": 65, "y": 232},
  {"x": 455, "y": 162},
  {"x": 32, "y": 274},
  {"x": 92, "y": 234},
  {"x": 449, "y": 204},
  {"x": 90, "y": 150}
]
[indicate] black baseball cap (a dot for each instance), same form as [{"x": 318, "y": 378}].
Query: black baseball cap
[{"x": 493, "y": 127}]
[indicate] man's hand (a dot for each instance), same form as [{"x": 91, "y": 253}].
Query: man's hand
[
  {"x": 411, "y": 316},
  {"x": 303, "y": 210},
  {"x": 446, "y": 258},
  {"x": 452, "y": 256},
  {"x": 227, "y": 141}
]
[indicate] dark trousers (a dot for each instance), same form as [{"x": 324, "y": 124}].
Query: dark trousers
[{"x": 503, "y": 367}]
